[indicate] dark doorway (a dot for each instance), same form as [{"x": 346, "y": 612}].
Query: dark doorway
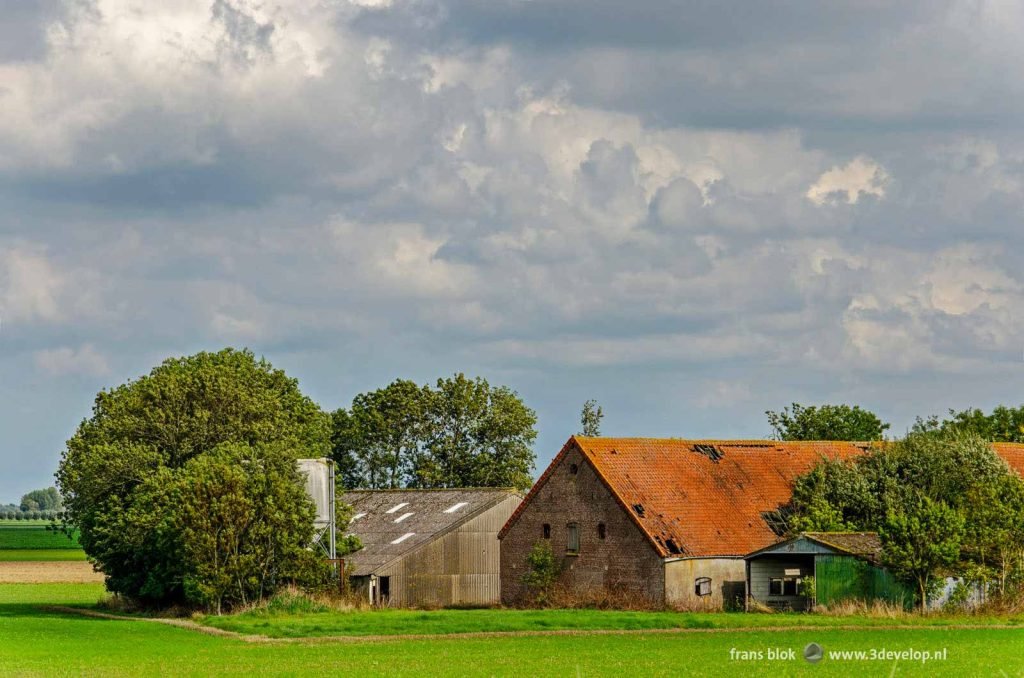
[{"x": 385, "y": 589}]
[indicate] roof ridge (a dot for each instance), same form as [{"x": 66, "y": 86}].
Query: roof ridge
[{"x": 431, "y": 489}]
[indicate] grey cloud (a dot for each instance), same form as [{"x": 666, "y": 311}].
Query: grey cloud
[{"x": 601, "y": 201}]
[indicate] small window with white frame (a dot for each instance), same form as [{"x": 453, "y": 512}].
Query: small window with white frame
[{"x": 702, "y": 586}]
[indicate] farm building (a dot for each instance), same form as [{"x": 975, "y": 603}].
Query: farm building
[
  {"x": 428, "y": 547},
  {"x": 666, "y": 520},
  {"x": 845, "y": 566}
]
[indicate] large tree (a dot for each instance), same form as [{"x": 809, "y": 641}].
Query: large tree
[
  {"x": 149, "y": 436},
  {"x": 461, "y": 433},
  {"x": 920, "y": 539},
  {"x": 379, "y": 440},
  {"x": 825, "y": 422}
]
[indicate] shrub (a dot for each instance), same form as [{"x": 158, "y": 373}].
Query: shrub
[{"x": 542, "y": 571}]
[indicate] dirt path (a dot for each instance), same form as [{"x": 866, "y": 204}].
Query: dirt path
[
  {"x": 48, "y": 572},
  {"x": 321, "y": 640}
]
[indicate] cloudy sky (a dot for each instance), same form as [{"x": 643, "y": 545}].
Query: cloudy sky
[{"x": 690, "y": 210}]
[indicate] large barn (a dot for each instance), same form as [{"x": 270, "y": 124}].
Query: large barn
[
  {"x": 669, "y": 521},
  {"x": 429, "y": 547}
]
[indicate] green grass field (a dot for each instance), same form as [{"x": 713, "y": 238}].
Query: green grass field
[
  {"x": 35, "y": 555},
  {"x": 411, "y": 622},
  {"x": 22, "y": 535},
  {"x": 41, "y": 642}
]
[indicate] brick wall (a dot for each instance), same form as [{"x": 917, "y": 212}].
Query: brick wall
[{"x": 623, "y": 561}]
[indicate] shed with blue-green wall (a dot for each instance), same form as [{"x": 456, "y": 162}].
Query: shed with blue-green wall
[{"x": 843, "y": 565}]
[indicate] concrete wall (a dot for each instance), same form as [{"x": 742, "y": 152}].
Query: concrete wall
[
  {"x": 764, "y": 569},
  {"x": 728, "y": 583},
  {"x": 624, "y": 561},
  {"x": 461, "y": 567}
]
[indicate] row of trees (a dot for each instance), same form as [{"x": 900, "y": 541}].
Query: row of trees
[
  {"x": 18, "y": 514},
  {"x": 35, "y": 505},
  {"x": 845, "y": 422}
]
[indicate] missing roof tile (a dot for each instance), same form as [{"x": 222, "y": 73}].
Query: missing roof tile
[
  {"x": 639, "y": 508},
  {"x": 777, "y": 521},
  {"x": 712, "y": 452}
]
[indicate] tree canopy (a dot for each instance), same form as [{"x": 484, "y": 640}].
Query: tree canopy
[
  {"x": 47, "y": 500},
  {"x": 825, "y": 422},
  {"x": 460, "y": 433},
  {"x": 1003, "y": 424},
  {"x": 183, "y": 482},
  {"x": 907, "y": 490}
]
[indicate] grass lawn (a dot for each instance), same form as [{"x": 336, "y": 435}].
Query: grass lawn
[
  {"x": 19, "y": 535},
  {"x": 40, "y": 642},
  {"x": 37, "y": 555},
  {"x": 410, "y": 622}
]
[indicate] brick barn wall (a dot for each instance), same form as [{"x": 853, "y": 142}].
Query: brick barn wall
[{"x": 624, "y": 561}]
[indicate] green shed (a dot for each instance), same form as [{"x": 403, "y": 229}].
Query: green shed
[{"x": 844, "y": 565}]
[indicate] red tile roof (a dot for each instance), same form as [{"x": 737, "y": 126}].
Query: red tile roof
[
  {"x": 706, "y": 497},
  {"x": 1013, "y": 454}
]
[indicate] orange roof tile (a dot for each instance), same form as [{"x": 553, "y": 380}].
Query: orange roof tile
[
  {"x": 1013, "y": 454},
  {"x": 706, "y": 497}
]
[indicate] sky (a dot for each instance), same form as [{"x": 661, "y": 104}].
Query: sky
[{"x": 691, "y": 211}]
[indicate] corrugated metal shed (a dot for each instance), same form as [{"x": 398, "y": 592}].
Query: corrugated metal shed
[{"x": 435, "y": 547}]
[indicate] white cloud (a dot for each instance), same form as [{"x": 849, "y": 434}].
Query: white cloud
[
  {"x": 860, "y": 176},
  {"x": 30, "y": 286}
]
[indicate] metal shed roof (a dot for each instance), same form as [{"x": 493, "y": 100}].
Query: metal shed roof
[{"x": 392, "y": 523}]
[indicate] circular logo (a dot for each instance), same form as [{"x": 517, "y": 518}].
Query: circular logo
[{"x": 813, "y": 653}]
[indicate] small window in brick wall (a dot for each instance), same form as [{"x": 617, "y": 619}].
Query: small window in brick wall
[
  {"x": 702, "y": 586},
  {"x": 602, "y": 531},
  {"x": 574, "y": 468},
  {"x": 547, "y": 531}
]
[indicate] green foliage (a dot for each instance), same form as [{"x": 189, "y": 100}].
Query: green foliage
[
  {"x": 919, "y": 540},
  {"x": 462, "y": 433},
  {"x": 808, "y": 588},
  {"x": 241, "y": 521},
  {"x": 1003, "y": 424},
  {"x": 825, "y": 422},
  {"x": 958, "y": 597},
  {"x": 590, "y": 419},
  {"x": 163, "y": 456},
  {"x": 542, "y": 570},
  {"x": 42, "y": 500},
  {"x": 380, "y": 440},
  {"x": 950, "y": 468}
]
